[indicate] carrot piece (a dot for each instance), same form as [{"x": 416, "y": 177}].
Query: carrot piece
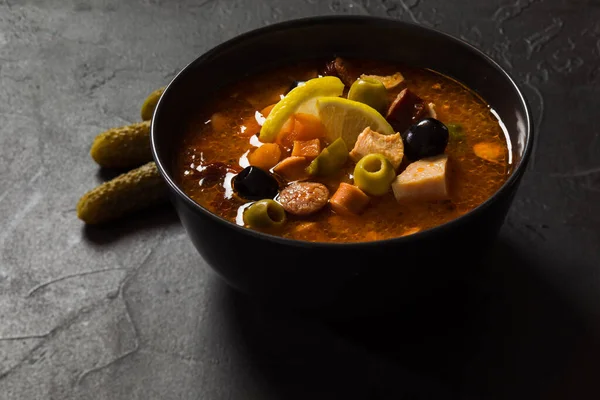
[
  {"x": 308, "y": 127},
  {"x": 286, "y": 135},
  {"x": 266, "y": 156},
  {"x": 292, "y": 168},
  {"x": 489, "y": 151},
  {"x": 267, "y": 110},
  {"x": 249, "y": 127},
  {"x": 348, "y": 199},
  {"x": 306, "y": 148}
]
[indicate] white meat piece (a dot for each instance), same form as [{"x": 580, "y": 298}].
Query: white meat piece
[
  {"x": 423, "y": 180},
  {"x": 369, "y": 142}
]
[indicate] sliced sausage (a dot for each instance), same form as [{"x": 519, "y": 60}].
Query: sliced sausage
[
  {"x": 304, "y": 198},
  {"x": 405, "y": 110}
]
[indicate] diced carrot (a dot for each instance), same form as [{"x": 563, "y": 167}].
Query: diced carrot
[
  {"x": 306, "y": 148},
  {"x": 286, "y": 135},
  {"x": 267, "y": 110},
  {"x": 249, "y": 127},
  {"x": 489, "y": 151},
  {"x": 308, "y": 127},
  {"x": 219, "y": 122},
  {"x": 348, "y": 199},
  {"x": 292, "y": 168},
  {"x": 266, "y": 156}
]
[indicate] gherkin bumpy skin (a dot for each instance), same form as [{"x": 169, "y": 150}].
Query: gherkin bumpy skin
[
  {"x": 149, "y": 105},
  {"x": 132, "y": 191},
  {"x": 123, "y": 147}
]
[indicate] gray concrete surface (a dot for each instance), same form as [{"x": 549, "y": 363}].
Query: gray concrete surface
[{"x": 132, "y": 312}]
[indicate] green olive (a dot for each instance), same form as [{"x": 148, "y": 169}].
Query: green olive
[
  {"x": 370, "y": 92},
  {"x": 374, "y": 174},
  {"x": 265, "y": 214}
]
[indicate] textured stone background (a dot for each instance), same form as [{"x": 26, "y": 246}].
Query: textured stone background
[{"x": 132, "y": 312}]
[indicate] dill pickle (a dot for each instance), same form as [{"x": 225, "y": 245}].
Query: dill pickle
[
  {"x": 132, "y": 191},
  {"x": 150, "y": 104},
  {"x": 123, "y": 147}
]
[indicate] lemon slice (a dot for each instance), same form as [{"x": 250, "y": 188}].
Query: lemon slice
[
  {"x": 301, "y": 99},
  {"x": 348, "y": 118}
]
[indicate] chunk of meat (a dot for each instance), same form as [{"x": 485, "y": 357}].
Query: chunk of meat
[
  {"x": 369, "y": 141},
  {"x": 304, "y": 198},
  {"x": 348, "y": 199},
  {"x": 406, "y": 109},
  {"x": 423, "y": 180},
  {"x": 389, "y": 81},
  {"x": 489, "y": 151},
  {"x": 347, "y": 72},
  {"x": 292, "y": 168},
  {"x": 306, "y": 148}
]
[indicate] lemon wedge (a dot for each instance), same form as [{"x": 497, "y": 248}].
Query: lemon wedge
[
  {"x": 301, "y": 99},
  {"x": 346, "y": 119}
]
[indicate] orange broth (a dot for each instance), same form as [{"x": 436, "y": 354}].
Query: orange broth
[{"x": 224, "y": 131}]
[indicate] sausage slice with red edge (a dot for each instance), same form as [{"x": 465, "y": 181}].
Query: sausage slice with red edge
[{"x": 304, "y": 198}]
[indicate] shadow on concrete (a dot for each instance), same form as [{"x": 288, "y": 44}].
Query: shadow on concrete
[
  {"x": 504, "y": 333},
  {"x": 154, "y": 218}
]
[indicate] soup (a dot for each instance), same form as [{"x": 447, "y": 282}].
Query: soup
[{"x": 343, "y": 151}]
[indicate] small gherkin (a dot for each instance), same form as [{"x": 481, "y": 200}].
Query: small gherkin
[
  {"x": 123, "y": 147},
  {"x": 150, "y": 103},
  {"x": 132, "y": 191}
]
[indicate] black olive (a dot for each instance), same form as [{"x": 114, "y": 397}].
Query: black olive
[
  {"x": 254, "y": 183},
  {"x": 426, "y": 138},
  {"x": 295, "y": 84}
]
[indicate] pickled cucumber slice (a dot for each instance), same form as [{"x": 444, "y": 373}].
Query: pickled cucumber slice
[
  {"x": 132, "y": 191},
  {"x": 150, "y": 104},
  {"x": 123, "y": 147}
]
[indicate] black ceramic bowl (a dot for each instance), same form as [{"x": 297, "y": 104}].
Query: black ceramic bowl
[{"x": 353, "y": 274}]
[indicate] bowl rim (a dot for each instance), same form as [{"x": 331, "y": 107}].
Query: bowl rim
[{"x": 304, "y": 22}]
